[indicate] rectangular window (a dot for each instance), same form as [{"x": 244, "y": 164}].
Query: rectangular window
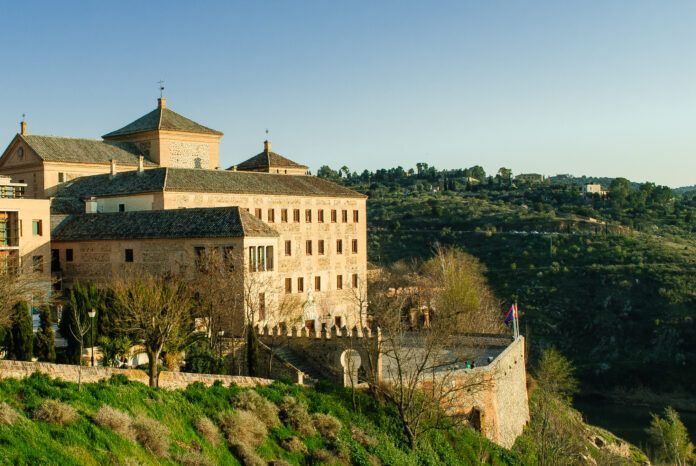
[
  {"x": 129, "y": 255},
  {"x": 37, "y": 263},
  {"x": 271, "y": 215},
  {"x": 284, "y": 215},
  {"x": 300, "y": 285},
  {"x": 228, "y": 257},
  {"x": 122, "y": 207},
  {"x": 61, "y": 177},
  {"x": 288, "y": 285},
  {"x": 338, "y": 322},
  {"x": 269, "y": 258},
  {"x": 355, "y": 280},
  {"x": 257, "y": 212},
  {"x": 320, "y": 215},
  {"x": 333, "y": 215},
  {"x": 288, "y": 248},
  {"x": 308, "y": 247},
  {"x": 261, "y": 263},
  {"x": 308, "y": 215},
  {"x": 344, "y": 216},
  {"x": 354, "y": 246},
  {"x": 320, "y": 247},
  {"x": 356, "y": 216},
  {"x": 37, "y": 227},
  {"x": 262, "y": 305},
  {"x": 339, "y": 282},
  {"x": 68, "y": 255},
  {"x": 317, "y": 283},
  {"x": 199, "y": 250},
  {"x": 296, "y": 215},
  {"x": 339, "y": 246},
  {"x": 252, "y": 258}
]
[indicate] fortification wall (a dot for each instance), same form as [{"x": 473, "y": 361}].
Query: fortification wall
[
  {"x": 495, "y": 396},
  {"x": 326, "y": 350},
  {"x": 167, "y": 380}
]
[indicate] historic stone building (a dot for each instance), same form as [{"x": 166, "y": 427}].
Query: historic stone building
[{"x": 118, "y": 204}]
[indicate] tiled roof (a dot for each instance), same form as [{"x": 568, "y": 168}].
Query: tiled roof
[
  {"x": 69, "y": 197},
  {"x": 59, "y": 149},
  {"x": 266, "y": 160},
  {"x": 217, "y": 222},
  {"x": 223, "y": 181},
  {"x": 162, "y": 119}
]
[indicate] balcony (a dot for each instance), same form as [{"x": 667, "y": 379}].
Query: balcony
[{"x": 11, "y": 191}]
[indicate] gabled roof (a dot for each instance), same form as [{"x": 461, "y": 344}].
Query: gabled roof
[
  {"x": 217, "y": 222},
  {"x": 59, "y": 149},
  {"x": 267, "y": 160},
  {"x": 162, "y": 119},
  {"x": 69, "y": 197}
]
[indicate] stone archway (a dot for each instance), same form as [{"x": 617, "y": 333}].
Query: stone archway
[{"x": 351, "y": 362}]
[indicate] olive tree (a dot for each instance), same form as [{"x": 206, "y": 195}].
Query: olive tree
[{"x": 156, "y": 311}]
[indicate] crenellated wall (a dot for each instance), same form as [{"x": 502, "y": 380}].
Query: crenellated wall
[{"x": 335, "y": 354}]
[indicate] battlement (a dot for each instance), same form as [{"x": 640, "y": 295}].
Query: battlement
[{"x": 298, "y": 331}]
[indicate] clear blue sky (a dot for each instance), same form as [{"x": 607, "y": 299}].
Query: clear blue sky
[{"x": 599, "y": 88}]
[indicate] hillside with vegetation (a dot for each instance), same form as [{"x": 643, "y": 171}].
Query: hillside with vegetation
[
  {"x": 46, "y": 421},
  {"x": 609, "y": 281}
]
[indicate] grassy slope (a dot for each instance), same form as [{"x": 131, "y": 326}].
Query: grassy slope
[
  {"x": 617, "y": 305},
  {"x": 34, "y": 442}
]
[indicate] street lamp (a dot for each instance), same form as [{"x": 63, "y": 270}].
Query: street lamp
[{"x": 92, "y": 314}]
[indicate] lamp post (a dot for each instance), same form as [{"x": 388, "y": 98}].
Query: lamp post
[
  {"x": 220, "y": 334},
  {"x": 92, "y": 314}
]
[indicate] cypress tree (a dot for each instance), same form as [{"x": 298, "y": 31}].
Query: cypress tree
[
  {"x": 44, "y": 340},
  {"x": 252, "y": 352},
  {"x": 21, "y": 333}
]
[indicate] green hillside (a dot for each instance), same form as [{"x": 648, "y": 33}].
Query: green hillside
[
  {"x": 609, "y": 281},
  {"x": 120, "y": 422}
]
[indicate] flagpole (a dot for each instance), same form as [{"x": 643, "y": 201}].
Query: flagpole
[{"x": 516, "y": 323}]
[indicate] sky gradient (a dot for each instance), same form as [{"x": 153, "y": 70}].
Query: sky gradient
[{"x": 588, "y": 88}]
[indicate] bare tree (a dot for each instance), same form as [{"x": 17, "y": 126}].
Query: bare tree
[
  {"x": 16, "y": 286},
  {"x": 421, "y": 365},
  {"x": 156, "y": 311},
  {"x": 79, "y": 328}
]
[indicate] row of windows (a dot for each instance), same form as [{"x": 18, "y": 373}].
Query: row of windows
[
  {"x": 300, "y": 287},
  {"x": 321, "y": 247},
  {"x": 296, "y": 214}
]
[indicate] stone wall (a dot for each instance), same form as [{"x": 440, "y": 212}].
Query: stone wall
[
  {"x": 326, "y": 351},
  {"x": 167, "y": 380},
  {"x": 495, "y": 396}
]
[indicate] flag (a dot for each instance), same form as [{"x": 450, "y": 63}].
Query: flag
[{"x": 511, "y": 314}]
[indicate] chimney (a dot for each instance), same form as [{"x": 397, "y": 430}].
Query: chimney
[
  {"x": 91, "y": 205},
  {"x": 266, "y": 146},
  {"x": 113, "y": 168},
  {"x": 162, "y": 102},
  {"x": 141, "y": 161},
  {"x": 23, "y": 127}
]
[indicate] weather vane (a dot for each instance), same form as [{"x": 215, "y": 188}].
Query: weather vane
[
  {"x": 24, "y": 115},
  {"x": 161, "y": 88}
]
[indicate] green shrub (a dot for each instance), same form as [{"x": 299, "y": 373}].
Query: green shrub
[
  {"x": 8, "y": 415},
  {"x": 249, "y": 400},
  {"x": 327, "y": 425},
  {"x": 152, "y": 435},
  {"x": 116, "y": 420},
  {"x": 294, "y": 445},
  {"x": 208, "y": 430},
  {"x": 294, "y": 413},
  {"x": 243, "y": 427},
  {"x": 56, "y": 412}
]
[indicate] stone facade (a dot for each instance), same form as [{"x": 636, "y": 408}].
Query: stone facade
[{"x": 167, "y": 380}]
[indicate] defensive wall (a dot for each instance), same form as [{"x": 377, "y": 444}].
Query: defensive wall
[
  {"x": 494, "y": 397},
  {"x": 167, "y": 380}
]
